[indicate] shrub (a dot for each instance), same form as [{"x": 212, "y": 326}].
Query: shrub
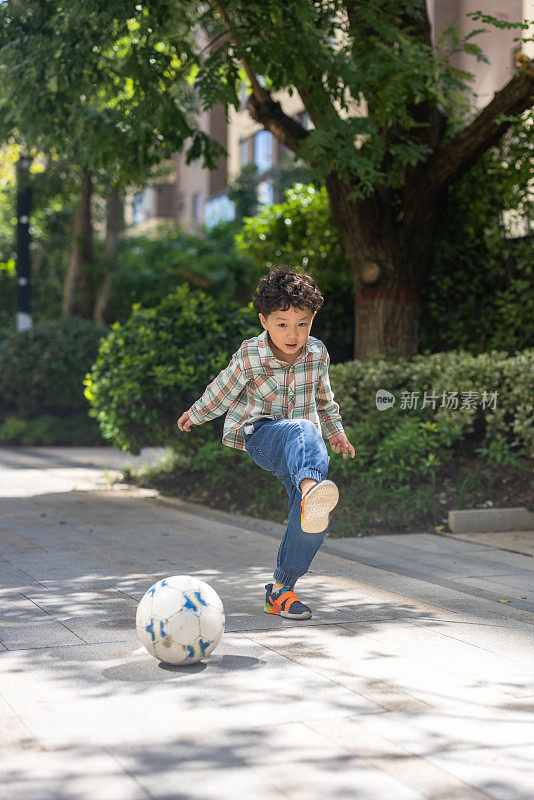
[
  {"x": 74, "y": 430},
  {"x": 149, "y": 267},
  {"x": 415, "y": 448},
  {"x": 301, "y": 232},
  {"x": 42, "y": 370},
  {"x": 8, "y": 290},
  {"x": 12, "y": 429},
  {"x": 154, "y": 366},
  {"x": 401, "y": 442},
  {"x": 478, "y": 292},
  {"x": 499, "y": 452}
]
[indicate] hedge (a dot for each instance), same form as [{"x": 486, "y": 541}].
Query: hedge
[{"x": 154, "y": 366}]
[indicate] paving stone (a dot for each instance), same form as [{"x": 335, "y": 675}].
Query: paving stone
[
  {"x": 514, "y": 541},
  {"x": 417, "y": 773},
  {"x": 307, "y": 647},
  {"x": 45, "y": 633},
  {"x": 443, "y": 593},
  {"x": 411, "y": 680},
  {"x": 373, "y": 668},
  {"x": 511, "y": 585},
  {"x": 14, "y": 543},
  {"x": 428, "y": 647},
  {"x": 515, "y": 644},
  {"x": 439, "y": 556},
  {"x": 73, "y": 774},
  {"x": 14, "y": 735},
  {"x": 284, "y": 760},
  {"x": 492, "y": 755},
  {"x": 73, "y": 691}
]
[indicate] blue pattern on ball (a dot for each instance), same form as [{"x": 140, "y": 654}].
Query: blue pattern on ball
[
  {"x": 194, "y": 603},
  {"x": 198, "y": 649},
  {"x": 150, "y": 629}
]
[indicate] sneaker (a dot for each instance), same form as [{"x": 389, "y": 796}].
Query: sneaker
[
  {"x": 316, "y": 505},
  {"x": 285, "y": 602}
]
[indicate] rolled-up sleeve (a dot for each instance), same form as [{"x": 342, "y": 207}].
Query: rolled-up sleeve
[
  {"x": 221, "y": 392},
  {"x": 327, "y": 407}
]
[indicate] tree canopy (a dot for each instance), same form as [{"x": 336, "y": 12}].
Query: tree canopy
[
  {"x": 118, "y": 83},
  {"x": 103, "y": 83}
]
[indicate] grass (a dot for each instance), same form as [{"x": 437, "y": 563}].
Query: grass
[
  {"x": 472, "y": 480},
  {"x": 367, "y": 508}
]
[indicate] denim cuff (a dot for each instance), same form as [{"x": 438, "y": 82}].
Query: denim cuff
[
  {"x": 306, "y": 472},
  {"x": 287, "y": 578}
]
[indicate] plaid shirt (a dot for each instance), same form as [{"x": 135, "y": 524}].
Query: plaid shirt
[{"x": 256, "y": 384}]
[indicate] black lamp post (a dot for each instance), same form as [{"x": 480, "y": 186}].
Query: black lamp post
[{"x": 24, "y": 199}]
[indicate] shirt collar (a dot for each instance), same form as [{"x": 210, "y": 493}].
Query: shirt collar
[{"x": 266, "y": 354}]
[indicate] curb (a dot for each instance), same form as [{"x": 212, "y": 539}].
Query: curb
[{"x": 489, "y": 520}]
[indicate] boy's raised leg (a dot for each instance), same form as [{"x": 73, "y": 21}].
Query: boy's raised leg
[
  {"x": 295, "y": 452},
  {"x": 306, "y": 483}
]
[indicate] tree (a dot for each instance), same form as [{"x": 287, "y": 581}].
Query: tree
[
  {"x": 389, "y": 135},
  {"x": 95, "y": 84},
  {"x": 243, "y": 190},
  {"x": 368, "y": 75}
]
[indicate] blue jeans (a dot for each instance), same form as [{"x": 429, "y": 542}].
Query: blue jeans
[{"x": 292, "y": 449}]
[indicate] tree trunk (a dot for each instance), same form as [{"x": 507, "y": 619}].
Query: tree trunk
[
  {"x": 386, "y": 322},
  {"x": 113, "y": 232},
  {"x": 82, "y": 247},
  {"x": 388, "y": 265},
  {"x": 387, "y": 237}
]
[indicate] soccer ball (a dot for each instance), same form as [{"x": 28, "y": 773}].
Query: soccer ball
[{"x": 180, "y": 620}]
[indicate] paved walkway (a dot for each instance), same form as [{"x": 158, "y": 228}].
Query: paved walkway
[{"x": 414, "y": 678}]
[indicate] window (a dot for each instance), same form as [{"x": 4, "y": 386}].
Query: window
[
  {"x": 265, "y": 193},
  {"x": 197, "y": 206},
  {"x": 263, "y": 150},
  {"x": 219, "y": 209},
  {"x": 244, "y": 152},
  {"x": 243, "y": 96},
  {"x": 137, "y": 208},
  {"x": 305, "y": 120},
  {"x": 143, "y": 205}
]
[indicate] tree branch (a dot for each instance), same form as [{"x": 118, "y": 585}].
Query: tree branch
[
  {"x": 260, "y": 104},
  {"x": 417, "y": 26},
  {"x": 426, "y": 113},
  {"x": 269, "y": 113},
  {"x": 351, "y": 7},
  {"x": 317, "y": 114},
  {"x": 420, "y": 25},
  {"x": 454, "y": 158}
]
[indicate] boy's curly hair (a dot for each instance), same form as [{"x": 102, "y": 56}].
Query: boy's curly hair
[{"x": 283, "y": 287}]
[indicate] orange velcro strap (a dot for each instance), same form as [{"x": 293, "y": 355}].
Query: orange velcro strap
[{"x": 284, "y": 596}]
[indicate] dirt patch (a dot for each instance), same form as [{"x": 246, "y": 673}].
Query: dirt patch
[{"x": 465, "y": 482}]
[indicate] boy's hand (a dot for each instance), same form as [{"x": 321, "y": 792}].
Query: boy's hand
[
  {"x": 184, "y": 423},
  {"x": 340, "y": 443}
]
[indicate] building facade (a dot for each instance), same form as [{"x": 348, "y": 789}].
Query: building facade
[{"x": 192, "y": 196}]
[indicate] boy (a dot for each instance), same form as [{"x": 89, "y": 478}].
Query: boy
[{"x": 277, "y": 394}]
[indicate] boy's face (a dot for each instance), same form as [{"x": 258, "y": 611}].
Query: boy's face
[{"x": 288, "y": 331}]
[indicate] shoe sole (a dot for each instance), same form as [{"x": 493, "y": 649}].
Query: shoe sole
[
  {"x": 287, "y": 615},
  {"x": 318, "y": 503}
]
